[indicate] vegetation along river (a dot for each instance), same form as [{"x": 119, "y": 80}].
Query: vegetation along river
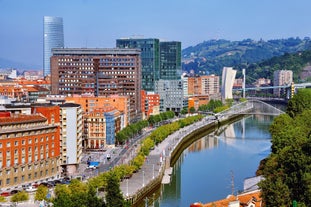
[{"x": 216, "y": 165}]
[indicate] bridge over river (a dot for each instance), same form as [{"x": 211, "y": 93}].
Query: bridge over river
[{"x": 156, "y": 169}]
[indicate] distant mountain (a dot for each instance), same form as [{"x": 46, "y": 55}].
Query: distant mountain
[
  {"x": 5, "y": 63},
  {"x": 211, "y": 56}
]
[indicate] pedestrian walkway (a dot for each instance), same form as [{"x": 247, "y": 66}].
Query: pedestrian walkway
[{"x": 155, "y": 161}]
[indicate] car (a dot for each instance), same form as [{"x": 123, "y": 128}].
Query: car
[
  {"x": 92, "y": 167},
  {"x": 14, "y": 191},
  {"x": 31, "y": 189},
  {"x": 5, "y": 194}
]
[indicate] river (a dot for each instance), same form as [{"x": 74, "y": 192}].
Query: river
[{"x": 216, "y": 165}]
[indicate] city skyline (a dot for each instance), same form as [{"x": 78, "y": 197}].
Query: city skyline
[{"x": 99, "y": 23}]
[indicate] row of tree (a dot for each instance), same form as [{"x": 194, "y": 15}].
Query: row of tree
[
  {"x": 287, "y": 171},
  {"x": 133, "y": 129}
]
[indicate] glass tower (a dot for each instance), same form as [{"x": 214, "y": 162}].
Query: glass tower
[
  {"x": 170, "y": 60},
  {"x": 53, "y": 38},
  {"x": 150, "y": 58}
]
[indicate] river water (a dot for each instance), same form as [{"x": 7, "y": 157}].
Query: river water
[{"x": 216, "y": 165}]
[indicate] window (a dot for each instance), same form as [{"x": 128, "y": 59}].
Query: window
[
  {"x": 23, "y": 142},
  {"x": 8, "y": 181},
  {"x": 46, "y": 172},
  {"x": 8, "y": 144},
  {"x": 29, "y": 176},
  {"x": 16, "y": 143},
  {"x": 15, "y": 179},
  {"x": 29, "y": 141},
  {"x": 36, "y": 174},
  {"x": 15, "y": 152},
  {"x": 8, "y": 172},
  {"x": 23, "y": 178},
  {"x": 36, "y": 140},
  {"x": 8, "y": 153}
]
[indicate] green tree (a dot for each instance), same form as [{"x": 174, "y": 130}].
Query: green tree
[
  {"x": 300, "y": 102},
  {"x": 20, "y": 196},
  {"x": 114, "y": 196},
  {"x": 192, "y": 110},
  {"x": 2, "y": 199},
  {"x": 62, "y": 196},
  {"x": 41, "y": 193}
]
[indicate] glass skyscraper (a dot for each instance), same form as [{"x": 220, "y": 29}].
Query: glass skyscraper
[
  {"x": 53, "y": 34},
  {"x": 170, "y": 60},
  {"x": 150, "y": 58}
]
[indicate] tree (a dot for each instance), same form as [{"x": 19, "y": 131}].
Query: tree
[
  {"x": 20, "y": 196},
  {"x": 192, "y": 110},
  {"x": 41, "y": 193},
  {"x": 114, "y": 196},
  {"x": 301, "y": 101}
]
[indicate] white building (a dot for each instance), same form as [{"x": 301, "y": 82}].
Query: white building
[
  {"x": 70, "y": 136},
  {"x": 281, "y": 78},
  {"x": 228, "y": 76}
]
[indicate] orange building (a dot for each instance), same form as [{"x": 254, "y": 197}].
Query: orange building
[
  {"x": 101, "y": 126},
  {"x": 90, "y": 103},
  {"x": 203, "y": 85},
  {"x": 29, "y": 150},
  {"x": 196, "y": 101},
  {"x": 150, "y": 103}
]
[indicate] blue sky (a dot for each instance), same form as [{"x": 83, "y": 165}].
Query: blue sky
[{"x": 98, "y": 23}]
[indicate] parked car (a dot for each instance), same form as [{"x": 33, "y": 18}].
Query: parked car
[
  {"x": 31, "y": 189},
  {"x": 5, "y": 194},
  {"x": 92, "y": 167}
]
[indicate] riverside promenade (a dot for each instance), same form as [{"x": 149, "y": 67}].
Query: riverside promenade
[{"x": 156, "y": 168}]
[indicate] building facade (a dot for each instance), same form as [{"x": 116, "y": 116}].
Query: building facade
[
  {"x": 228, "y": 76},
  {"x": 98, "y": 72},
  {"x": 281, "y": 78},
  {"x": 70, "y": 136},
  {"x": 29, "y": 150},
  {"x": 171, "y": 95},
  {"x": 150, "y": 58},
  {"x": 170, "y": 60},
  {"x": 101, "y": 126},
  {"x": 53, "y": 37}
]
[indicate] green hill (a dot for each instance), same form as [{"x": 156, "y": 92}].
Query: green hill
[{"x": 211, "y": 56}]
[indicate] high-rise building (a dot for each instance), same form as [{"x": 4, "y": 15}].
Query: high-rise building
[
  {"x": 150, "y": 59},
  {"x": 53, "y": 36},
  {"x": 170, "y": 60},
  {"x": 281, "y": 78},
  {"x": 99, "y": 72},
  {"x": 70, "y": 136},
  {"x": 228, "y": 76}
]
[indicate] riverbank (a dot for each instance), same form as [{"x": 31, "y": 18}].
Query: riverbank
[{"x": 151, "y": 175}]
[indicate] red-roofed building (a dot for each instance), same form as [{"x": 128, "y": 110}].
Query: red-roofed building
[{"x": 29, "y": 149}]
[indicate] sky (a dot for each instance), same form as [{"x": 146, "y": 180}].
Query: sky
[{"x": 98, "y": 23}]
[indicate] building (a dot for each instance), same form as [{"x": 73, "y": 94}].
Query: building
[
  {"x": 70, "y": 137},
  {"x": 228, "y": 76},
  {"x": 197, "y": 101},
  {"x": 171, "y": 95},
  {"x": 203, "y": 85},
  {"x": 90, "y": 103},
  {"x": 29, "y": 149},
  {"x": 150, "y": 58},
  {"x": 281, "y": 78},
  {"x": 98, "y": 72},
  {"x": 102, "y": 125},
  {"x": 53, "y": 36},
  {"x": 151, "y": 103},
  {"x": 170, "y": 60},
  {"x": 210, "y": 85}
]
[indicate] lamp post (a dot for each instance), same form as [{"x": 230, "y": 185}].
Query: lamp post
[
  {"x": 143, "y": 178},
  {"x": 127, "y": 187},
  {"x": 152, "y": 171}
]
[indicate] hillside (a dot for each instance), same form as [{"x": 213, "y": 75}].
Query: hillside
[{"x": 211, "y": 56}]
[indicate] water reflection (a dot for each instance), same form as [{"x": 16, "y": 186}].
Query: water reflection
[{"x": 203, "y": 171}]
